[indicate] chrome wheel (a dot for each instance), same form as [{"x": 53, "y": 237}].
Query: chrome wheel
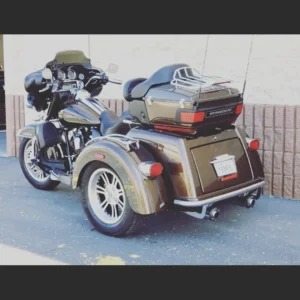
[
  {"x": 106, "y": 195},
  {"x": 33, "y": 169}
]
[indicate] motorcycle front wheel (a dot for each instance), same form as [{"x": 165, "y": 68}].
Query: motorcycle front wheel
[
  {"x": 105, "y": 202},
  {"x": 36, "y": 177}
]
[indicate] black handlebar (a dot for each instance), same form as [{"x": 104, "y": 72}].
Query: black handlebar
[
  {"x": 56, "y": 85},
  {"x": 104, "y": 77},
  {"x": 116, "y": 81}
]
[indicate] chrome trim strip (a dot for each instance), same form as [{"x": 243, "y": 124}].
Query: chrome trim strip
[
  {"x": 246, "y": 152},
  {"x": 199, "y": 203},
  {"x": 117, "y": 137}
]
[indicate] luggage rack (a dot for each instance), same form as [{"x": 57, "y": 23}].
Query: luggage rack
[{"x": 189, "y": 78}]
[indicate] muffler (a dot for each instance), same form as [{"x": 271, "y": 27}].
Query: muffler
[
  {"x": 250, "y": 202},
  {"x": 213, "y": 214}
]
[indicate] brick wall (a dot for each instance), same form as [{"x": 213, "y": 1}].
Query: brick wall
[
  {"x": 15, "y": 119},
  {"x": 276, "y": 126},
  {"x": 278, "y": 129}
]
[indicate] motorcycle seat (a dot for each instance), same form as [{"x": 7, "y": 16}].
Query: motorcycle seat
[
  {"x": 111, "y": 123},
  {"x": 162, "y": 76}
]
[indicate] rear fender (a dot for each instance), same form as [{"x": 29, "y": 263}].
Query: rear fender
[
  {"x": 145, "y": 195},
  {"x": 28, "y": 131}
]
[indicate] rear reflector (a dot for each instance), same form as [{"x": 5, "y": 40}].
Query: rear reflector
[
  {"x": 192, "y": 117},
  {"x": 156, "y": 169},
  {"x": 229, "y": 177},
  {"x": 239, "y": 109},
  {"x": 151, "y": 169},
  {"x": 253, "y": 144}
]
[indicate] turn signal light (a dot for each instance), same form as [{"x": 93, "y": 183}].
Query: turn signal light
[
  {"x": 253, "y": 144},
  {"x": 192, "y": 117},
  {"x": 151, "y": 169},
  {"x": 239, "y": 109}
]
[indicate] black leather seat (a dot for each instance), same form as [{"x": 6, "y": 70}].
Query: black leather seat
[
  {"x": 129, "y": 85},
  {"x": 162, "y": 76},
  {"x": 113, "y": 124}
]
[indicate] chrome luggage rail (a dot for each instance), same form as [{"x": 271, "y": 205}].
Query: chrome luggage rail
[
  {"x": 129, "y": 142},
  {"x": 189, "y": 78}
]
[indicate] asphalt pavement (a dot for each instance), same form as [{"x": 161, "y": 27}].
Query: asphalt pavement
[
  {"x": 2, "y": 143},
  {"x": 46, "y": 227}
]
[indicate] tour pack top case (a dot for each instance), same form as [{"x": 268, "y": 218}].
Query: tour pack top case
[{"x": 177, "y": 96}]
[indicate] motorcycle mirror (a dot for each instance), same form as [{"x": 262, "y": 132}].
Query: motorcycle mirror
[
  {"x": 112, "y": 68},
  {"x": 47, "y": 74}
]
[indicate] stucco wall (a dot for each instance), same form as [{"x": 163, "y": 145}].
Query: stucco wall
[
  {"x": 24, "y": 54},
  {"x": 274, "y": 63},
  {"x": 142, "y": 55},
  {"x": 273, "y": 74}
]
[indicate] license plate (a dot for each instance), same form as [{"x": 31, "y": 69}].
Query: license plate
[{"x": 224, "y": 165}]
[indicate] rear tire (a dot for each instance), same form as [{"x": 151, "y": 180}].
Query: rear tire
[
  {"x": 34, "y": 174},
  {"x": 105, "y": 202}
]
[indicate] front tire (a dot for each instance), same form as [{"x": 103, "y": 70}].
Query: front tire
[
  {"x": 33, "y": 173},
  {"x": 105, "y": 202}
]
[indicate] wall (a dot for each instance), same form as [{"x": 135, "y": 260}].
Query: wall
[
  {"x": 270, "y": 62},
  {"x": 278, "y": 129},
  {"x": 24, "y": 54},
  {"x": 274, "y": 63},
  {"x": 143, "y": 54},
  {"x": 273, "y": 72}
]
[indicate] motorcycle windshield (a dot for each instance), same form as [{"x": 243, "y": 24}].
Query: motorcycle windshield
[{"x": 70, "y": 57}]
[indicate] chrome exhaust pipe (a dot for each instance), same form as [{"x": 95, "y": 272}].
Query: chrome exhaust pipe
[
  {"x": 250, "y": 202},
  {"x": 213, "y": 214}
]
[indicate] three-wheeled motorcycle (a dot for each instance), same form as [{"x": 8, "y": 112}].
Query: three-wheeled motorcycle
[{"x": 176, "y": 147}]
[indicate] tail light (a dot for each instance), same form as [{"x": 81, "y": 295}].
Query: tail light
[
  {"x": 151, "y": 169},
  {"x": 175, "y": 129},
  {"x": 192, "y": 117},
  {"x": 253, "y": 144},
  {"x": 239, "y": 108}
]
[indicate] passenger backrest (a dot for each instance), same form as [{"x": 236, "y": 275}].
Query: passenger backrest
[{"x": 129, "y": 85}]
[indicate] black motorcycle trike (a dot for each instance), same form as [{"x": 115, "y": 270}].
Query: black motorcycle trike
[{"x": 176, "y": 147}]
